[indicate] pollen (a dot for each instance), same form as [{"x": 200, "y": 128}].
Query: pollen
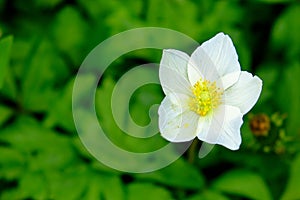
[{"x": 206, "y": 97}]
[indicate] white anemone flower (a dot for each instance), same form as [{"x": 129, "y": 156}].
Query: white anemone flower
[{"x": 207, "y": 94}]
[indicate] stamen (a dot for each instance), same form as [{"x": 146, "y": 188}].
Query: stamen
[{"x": 207, "y": 96}]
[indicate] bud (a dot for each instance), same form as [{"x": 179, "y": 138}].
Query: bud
[{"x": 260, "y": 125}]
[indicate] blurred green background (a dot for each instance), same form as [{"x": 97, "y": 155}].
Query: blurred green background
[{"x": 42, "y": 44}]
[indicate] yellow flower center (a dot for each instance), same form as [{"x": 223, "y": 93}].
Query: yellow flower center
[{"x": 207, "y": 96}]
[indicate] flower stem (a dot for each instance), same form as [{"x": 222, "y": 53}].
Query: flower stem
[{"x": 192, "y": 151}]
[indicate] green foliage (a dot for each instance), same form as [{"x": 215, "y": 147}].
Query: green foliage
[
  {"x": 43, "y": 43},
  {"x": 5, "y": 46},
  {"x": 191, "y": 179},
  {"x": 243, "y": 183},
  {"x": 38, "y": 86},
  {"x": 288, "y": 88},
  {"x": 284, "y": 34},
  {"x": 147, "y": 191},
  {"x": 5, "y": 114},
  {"x": 208, "y": 195},
  {"x": 268, "y": 72},
  {"x": 292, "y": 189},
  {"x": 69, "y": 32}
]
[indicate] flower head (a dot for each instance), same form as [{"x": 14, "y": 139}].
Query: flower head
[{"x": 207, "y": 94}]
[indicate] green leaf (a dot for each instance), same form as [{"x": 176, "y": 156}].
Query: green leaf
[
  {"x": 190, "y": 179},
  {"x": 70, "y": 34},
  {"x": 95, "y": 164},
  {"x": 208, "y": 195},
  {"x": 292, "y": 191},
  {"x": 184, "y": 21},
  {"x": 46, "y": 70},
  {"x": 285, "y": 36},
  {"x": 5, "y": 48},
  {"x": 107, "y": 121},
  {"x": 60, "y": 113},
  {"x": 116, "y": 9},
  {"x": 121, "y": 12},
  {"x": 288, "y": 97},
  {"x": 142, "y": 100},
  {"x": 5, "y": 114},
  {"x": 21, "y": 56},
  {"x": 105, "y": 186},
  {"x": 268, "y": 72},
  {"x": 145, "y": 191},
  {"x": 93, "y": 190},
  {"x": 275, "y": 1},
  {"x": 36, "y": 6},
  {"x": 68, "y": 185},
  {"x": 12, "y": 163},
  {"x": 113, "y": 188},
  {"x": 243, "y": 183},
  {"x": 42, "y": 147},
  {"x": 10, "y": 194},
  {"x": 37, "y": 189},
  {"x": 94, "y": 8},
  {"x": 47, "y": 3},
  {"x": 10, "y": 90}
]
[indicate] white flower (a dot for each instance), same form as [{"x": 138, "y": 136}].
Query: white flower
[{"x": 207, "y": 94}]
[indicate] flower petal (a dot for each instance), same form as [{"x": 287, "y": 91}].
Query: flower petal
[
  {"x": 244, "y": 93},
  {"x": 224, "y": 128},
  {"x": 228, "y": 80},
  {"x": 201, "y": 66},
  {"x": 173, "y": 72},
  {"x": 204, "y": 126},
  {"x": 221, "y": 51},
  {"x": 176, "y": 122},
  {"x": 230, "y": 135}
]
